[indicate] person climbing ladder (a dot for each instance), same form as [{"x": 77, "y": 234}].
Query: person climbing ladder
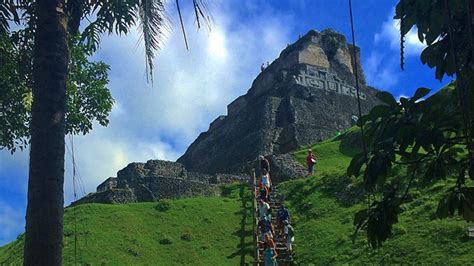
[
  {"x": 273, "y": 233},
  {"x": 264, "y": 164},
  {"x": 288, "y": 236},
  {"x": 266, "y": 180}
]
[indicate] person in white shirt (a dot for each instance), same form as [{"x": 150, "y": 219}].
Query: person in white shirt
[
  {"x": 266, "y": 181},
  {"x": 289, "y": 236},
  {"x": 264, "y": 210}
]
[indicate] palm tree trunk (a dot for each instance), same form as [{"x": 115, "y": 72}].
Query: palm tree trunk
[{"x": 44, "y": 215}]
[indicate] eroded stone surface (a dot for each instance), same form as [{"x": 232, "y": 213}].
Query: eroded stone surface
[
  {"x": 304, "y": 96},
  {"x": 157, "y": 179}
]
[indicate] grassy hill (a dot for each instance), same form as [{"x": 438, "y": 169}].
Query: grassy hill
[
  {"x": 323, "y": 207},
  {"x": 217, "y": 231},
  {"x": 197, "y": 231}
]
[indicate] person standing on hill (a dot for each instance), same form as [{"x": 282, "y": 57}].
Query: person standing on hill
[{"x": 310, "y": 161}]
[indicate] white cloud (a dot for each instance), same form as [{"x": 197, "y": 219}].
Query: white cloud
[
  {"x": 11, "y": 223},
  {"x": 100, "y": 155},
  {"x": 379, "y": 71},
  {"x": 382, "y": 66},
  {"x": 191, "y": 88},
  {"x": 391, "y": 32},
  {"x": 217, "y": 44}
]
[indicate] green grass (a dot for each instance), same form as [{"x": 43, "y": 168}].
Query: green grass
[
  {"x": 324, "y": 204},
  {"x": 197, "y": 231},
  {"x": 217, "y": 230}
]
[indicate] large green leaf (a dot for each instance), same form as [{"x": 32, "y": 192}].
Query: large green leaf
[
  {"x": 420, "y": 93},
  {"x": 460, "y": 200},
  {"x": 380, "y": 111},
  {"x": 356, "y": 164},
  {"x": 387, "y": 98}
]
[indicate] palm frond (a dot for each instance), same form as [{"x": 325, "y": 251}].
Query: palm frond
[
  {"x": 111, "y": 16},
  {"x": 202, "y": 12},
  {"x": 8, "y": 12},
  {"x": 153, "y": 22},
  {"x": 182, "y": 25},
  {"x": 118, "y": 16},
  {"x": 91, "y": 35}
]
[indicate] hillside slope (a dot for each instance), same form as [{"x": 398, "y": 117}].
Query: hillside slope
[
  {"x": 323, "y": 207},
  {"x": 197, "y": 231},
  {"x": 217, "y": 230}
]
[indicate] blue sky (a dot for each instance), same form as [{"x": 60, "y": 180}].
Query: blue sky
[{"x": 192, "y": 88}]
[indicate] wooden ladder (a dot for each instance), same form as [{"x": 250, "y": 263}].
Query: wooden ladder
[{"x": 275, "y": 202}]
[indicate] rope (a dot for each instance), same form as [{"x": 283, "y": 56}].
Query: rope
[
  {"x": 75, "y": 196},
  {"x": 471, "y": 44},
  {"x": 460, "y": 86},
  {"x": 469, "y": 16},
  {"x": 255, "y": 219},
  {"x": 78, "y": 188},
  {"x": 78, "y": 184},
  {"x": 356, "y": 75}
]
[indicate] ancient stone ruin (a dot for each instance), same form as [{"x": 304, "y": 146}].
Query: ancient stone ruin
[
  {"x": 155, "y": 180},
  {"x": 304, "y": 96}
]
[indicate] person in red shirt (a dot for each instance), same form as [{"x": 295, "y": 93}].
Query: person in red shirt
[{"x": 310, "y": 161}]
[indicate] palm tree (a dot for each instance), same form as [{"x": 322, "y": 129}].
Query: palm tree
[{"x": 50, "y": 23}]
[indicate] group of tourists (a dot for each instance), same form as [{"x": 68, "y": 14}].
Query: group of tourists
[{"x": 268, "y": 232}]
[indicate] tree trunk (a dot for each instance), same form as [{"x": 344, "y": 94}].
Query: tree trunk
[{"x": 44, "y": 214}]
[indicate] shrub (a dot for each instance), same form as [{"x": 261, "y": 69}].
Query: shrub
[
  {"x": 163, "y": 205},
  {"x": 187, "y": 236},
  {"x": 166, "y": 241},
  {"x": 133, "y": 252}
]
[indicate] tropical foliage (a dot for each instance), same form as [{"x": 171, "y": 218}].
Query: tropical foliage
[
  {"x": 58, "y": 82},
  {"x": 88, "y": 98},
  {"x": 430, "y": 138}
]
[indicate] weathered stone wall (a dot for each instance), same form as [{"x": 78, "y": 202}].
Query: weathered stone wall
[
  {"x": 237, "y": 105},
  {"x": 313, "y": 55},
  {"x": 284, "y": 167},
  {"x": 112, "y": 196},
  {"x": 109, "y": 183},
  {"x": 304, "y": 96},
  {"x": 157, "y": 179},
  {"x": 217, "y": 122}
]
